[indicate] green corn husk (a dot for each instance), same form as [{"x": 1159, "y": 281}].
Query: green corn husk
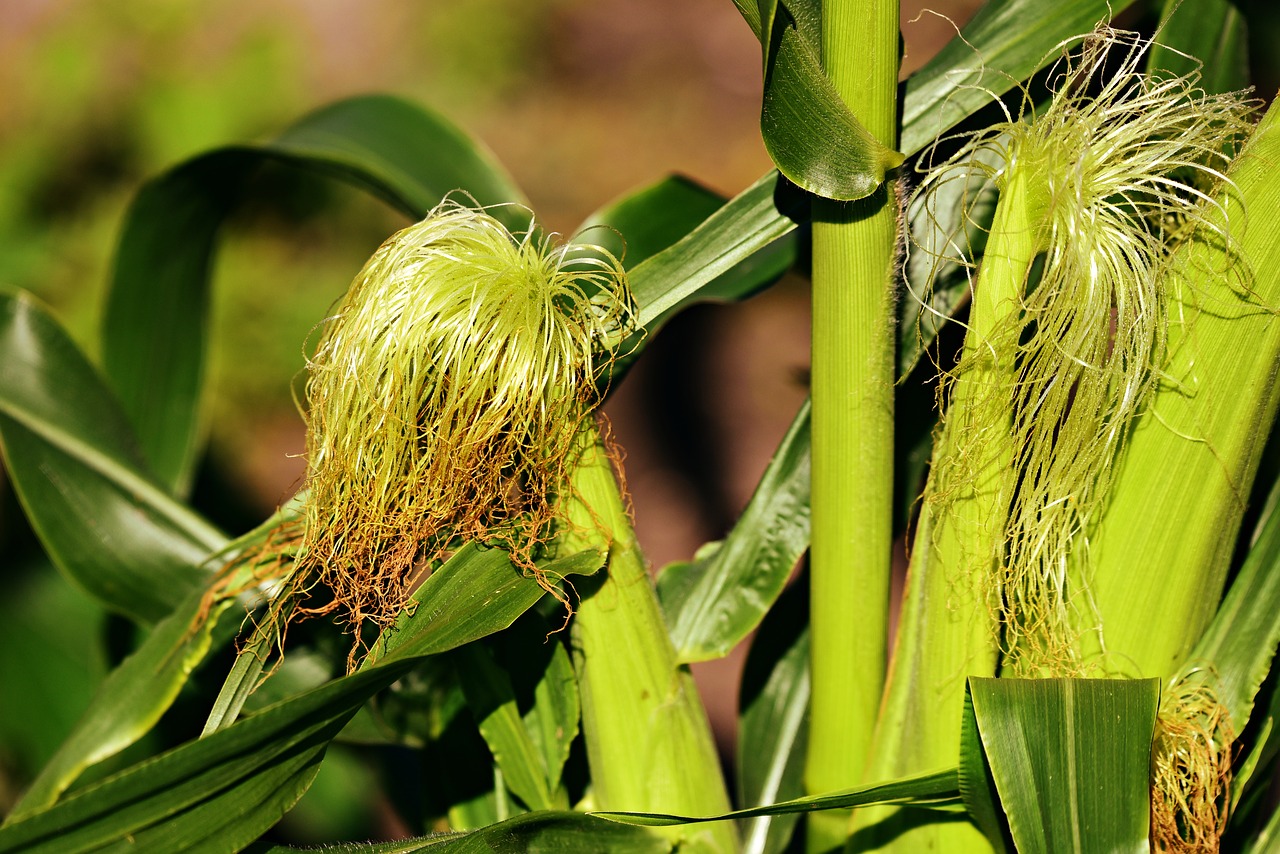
[
  {"x": 1065, "y": 347},
  {"x": 648, "y": 740}
]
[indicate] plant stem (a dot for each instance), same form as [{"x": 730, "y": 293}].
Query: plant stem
[
  {"x": 648, "y": 740},
  {"x": 854, "y": 249}
]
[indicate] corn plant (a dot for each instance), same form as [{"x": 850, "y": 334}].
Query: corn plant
[{"x": 1046, "y": 263}]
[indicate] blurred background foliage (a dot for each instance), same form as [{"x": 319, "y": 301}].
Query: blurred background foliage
[{"x": 580, "y": 99}]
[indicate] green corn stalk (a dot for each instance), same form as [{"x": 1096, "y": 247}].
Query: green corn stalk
[{"x": 853, "y": 353}]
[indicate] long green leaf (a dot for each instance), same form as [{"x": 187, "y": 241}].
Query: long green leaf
[
  {"x": 773, "y": 727},
  {"x": 492, "y": 700},
  {"x": 746, "y": 225},
  {"x": 155, "y": 326},
  {"x": 228, "y": 788},
  {"x": 937, "y": 790},
  {"x": 977, "y": 786},
  {"x": 103, "y": 519},
  {"x": 993, "y": 52},
  {"x": 718, "y": 600},
  {"x": 642, "y": 223},
  {"x": 1241, "y": 641},
  {"x": 1070, "y": 759},
  {"x": 1208, "y": 37},
  {"x": 812, "y": 136},
  {"x": 542, "y": 832},
  {"x": 129, "y": 702},
  {"x": 653, "y": 219}
]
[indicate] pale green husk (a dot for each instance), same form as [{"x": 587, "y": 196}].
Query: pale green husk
[
  {"x": 447, "y": 396},
  {"x": 1122, "y": 165}
]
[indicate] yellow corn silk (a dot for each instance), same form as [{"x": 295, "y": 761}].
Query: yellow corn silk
[
  {"x": 447, "y": 397},
  {"x": 1121, "y": 166}
]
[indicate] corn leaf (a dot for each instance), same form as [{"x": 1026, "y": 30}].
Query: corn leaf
[
  {"x": 810, "y": 133},
  {"x": 130, "y": 701},
  {"x": 524, "y": 668},
  {"x": 1208, "y": 37},
  {"x": 978, "y": 786},
  {"x": 224, "y": 790},
  {"x": 492, "y": 700},
  {"x": 994, "y": 51},
  {"x": 642, "y": 223},
  {"x": 155, "y": 325},
  {"x": 568, "y": 832},
  {"x": 773, "y": 726},
  {"x": 1241, "y": 641},
  {"x": 937, "y": 790},
  {"x": 716, "y": 601},
  {"x": 651, "y": 220},
  {"x": 1070, "y": 759},
  {"x": 747, "y": 224},
  {"x": 104, "y": 520}
]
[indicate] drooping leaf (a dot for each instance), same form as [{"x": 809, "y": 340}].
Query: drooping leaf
[
  {"x": 723, "y": 596},
  {"x": 938, "y": 790},
  {"x": 773, "y": 724},
  {"x": 156, "y": 319},
  {"x": 543, "y": 832},
  {"x": 103, "y": 519},
  {"x": 810, "y": 133},
  {"x": 1208, "y": 37},
  {"x": 234, "y": 784},
  {"x": 742, "y": 239},
  {"x": 129, "y": 702},
  {"x": 994, "y": 51},
  {"x": 1070, "y": 759}
]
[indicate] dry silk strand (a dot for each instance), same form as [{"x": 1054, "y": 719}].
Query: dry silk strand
[
  {"x": 1118, "y": 168},
  {"x": 1190, "y": 767},
  {"x": 447, "y": 397}
]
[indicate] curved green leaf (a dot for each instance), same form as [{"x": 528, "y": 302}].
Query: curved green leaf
[
  {"x": 812, "y": 136},
  {"x": 530, "y": 748},
  {"x": 129, "y": 702},
  {"x": 642, "y": 223},
  {"x": 542, "y": 832},
  {"x": 718, "y": 600},
  {"x": 231, "y": 786},
  {"x": 977, "y": 786},
  {"x": 742, "y": 241},
  {"x": 991, "y": 54},
  {"x": 935, "y": 790},
  {"x": 104, "y": 520},
  {"x": 1208, "y": 37},
  {"x": 1241, "y": 641},
  {"x": 1070, "y": 759},
  {"x": 773, "y": 727},
  {"x": 156, "y": 319}
]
